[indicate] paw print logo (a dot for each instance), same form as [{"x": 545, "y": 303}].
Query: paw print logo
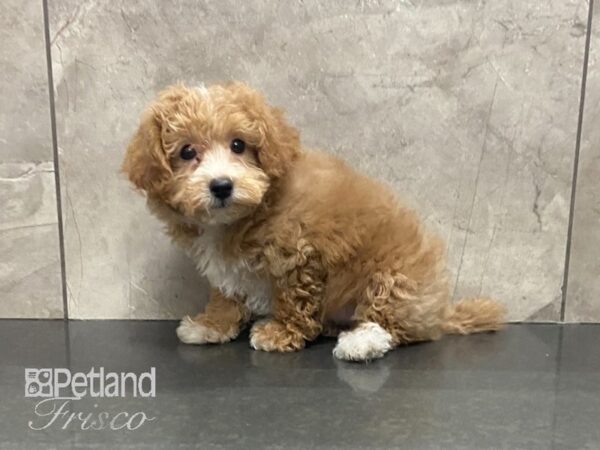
[{"x": 38, "y": 382}]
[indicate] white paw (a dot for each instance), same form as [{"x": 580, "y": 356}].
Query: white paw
[
  {"x": 365, "y": 342},
  {"x": 255, "y": 340},
  {"x": 190, "y": 332}
]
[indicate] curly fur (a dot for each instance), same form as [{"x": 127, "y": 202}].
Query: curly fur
[{"x": 306, "y": 239}]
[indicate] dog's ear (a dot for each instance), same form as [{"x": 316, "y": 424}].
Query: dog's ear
[
  {"x": 145, "y": 161},
  {"x": 279, "y": 142}
]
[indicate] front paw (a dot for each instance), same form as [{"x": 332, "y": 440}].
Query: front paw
[
  {"x": 192, "y": 331},
  {"x": 273, "y": 336}
]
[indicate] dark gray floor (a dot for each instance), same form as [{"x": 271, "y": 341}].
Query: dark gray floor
[{"x": 528, "y": 387}]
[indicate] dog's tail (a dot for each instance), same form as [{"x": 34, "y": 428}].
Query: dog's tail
[{"x": 474, "y": 315}]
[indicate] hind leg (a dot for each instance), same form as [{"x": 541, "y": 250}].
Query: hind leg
[{"x": 391, "y": 312}]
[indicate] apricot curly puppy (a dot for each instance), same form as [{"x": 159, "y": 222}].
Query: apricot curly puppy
[{"x": 288, "y": 233}]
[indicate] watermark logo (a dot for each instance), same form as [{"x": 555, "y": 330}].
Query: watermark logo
[
  {"x": 38, "y": 383},
  {"x": 95, "y": 383},
  {"x": 59, "y": 389}
]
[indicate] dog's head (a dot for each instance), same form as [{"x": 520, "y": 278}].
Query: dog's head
[{"x": 209, "y": 155}]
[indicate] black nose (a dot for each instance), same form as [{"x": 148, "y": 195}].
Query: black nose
[{"x": 221, "y": 188}]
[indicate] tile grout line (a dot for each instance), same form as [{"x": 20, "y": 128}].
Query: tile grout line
[
  {"x": 61, "y": 236},
  {"x": 586, "y": 55}
]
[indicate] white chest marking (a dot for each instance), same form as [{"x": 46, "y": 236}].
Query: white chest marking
[{"x": 233, "y": 278}]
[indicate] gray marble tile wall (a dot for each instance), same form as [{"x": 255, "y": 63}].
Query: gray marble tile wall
[
  {"x": 469, "y": 110},
  {"x": 30, "y": 278},
  {"x": 583, "y": 293}
]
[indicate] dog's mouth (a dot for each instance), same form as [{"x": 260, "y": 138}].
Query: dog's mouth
[{"x": 220, "y": 204}]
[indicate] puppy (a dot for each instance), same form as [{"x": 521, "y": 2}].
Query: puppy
[{"x": 290, "y": 235}]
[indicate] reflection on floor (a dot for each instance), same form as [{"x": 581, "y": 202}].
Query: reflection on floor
[{"x": 527, "y": 387}]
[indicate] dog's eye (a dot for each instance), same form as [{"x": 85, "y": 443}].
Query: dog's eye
[
  {"x": 237, "y": 146},
  {"x": 187, "y": 152}
]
